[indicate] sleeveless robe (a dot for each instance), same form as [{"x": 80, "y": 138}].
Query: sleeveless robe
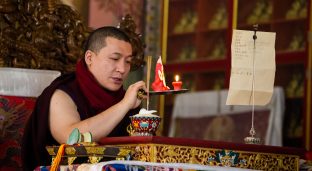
[{"x": 37, "y": 133}]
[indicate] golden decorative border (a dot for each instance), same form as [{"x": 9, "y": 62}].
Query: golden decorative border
[
  {"x": 95, "y": 150},
  {"x": 163, "y": 153},
  {"x": 94, "y": 153}
]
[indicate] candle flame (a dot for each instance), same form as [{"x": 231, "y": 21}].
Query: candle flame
[{"x": 177, "y": 78}]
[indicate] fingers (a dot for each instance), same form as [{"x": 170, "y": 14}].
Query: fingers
[
  {"x": 140, "y": 85},
  {"x": 140, "y": 90},
  {"x": 135, "y": 94},
  {"x": 141, "y": 94}
]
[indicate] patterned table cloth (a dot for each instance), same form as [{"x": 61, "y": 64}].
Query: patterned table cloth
[{"x": 116, "y": 165}]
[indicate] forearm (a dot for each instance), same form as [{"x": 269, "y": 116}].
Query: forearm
[
  {"x": 64, "y": 116},
  {"x": 103, "y": 123}
]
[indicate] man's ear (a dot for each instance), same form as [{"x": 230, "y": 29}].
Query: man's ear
[{"x": 88, "y": 57}]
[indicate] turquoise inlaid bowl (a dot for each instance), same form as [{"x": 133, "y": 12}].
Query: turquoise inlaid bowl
[{"x": 144, "y": 125}]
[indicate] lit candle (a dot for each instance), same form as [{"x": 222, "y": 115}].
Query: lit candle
[{"x": 177, "y": 84}]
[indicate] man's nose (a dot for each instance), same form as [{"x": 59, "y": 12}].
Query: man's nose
[{"x": 121, "y": 66}]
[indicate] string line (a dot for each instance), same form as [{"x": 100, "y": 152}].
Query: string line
[{"x": 253, "y": 87}]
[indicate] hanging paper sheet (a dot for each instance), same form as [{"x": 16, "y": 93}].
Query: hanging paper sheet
[{"x": 253, "y": 68}]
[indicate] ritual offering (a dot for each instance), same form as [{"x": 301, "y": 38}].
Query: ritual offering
[
  {"x": 145, "y": 123},
  {"x": 77, "y": 137},
  {"x": 177, "y": 84},
  {"x": 159, "y": 83},
  {"x": 159, "y": 86}
]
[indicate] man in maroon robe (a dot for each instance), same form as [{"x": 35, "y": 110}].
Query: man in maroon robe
[{"x": 92, "y": 99}]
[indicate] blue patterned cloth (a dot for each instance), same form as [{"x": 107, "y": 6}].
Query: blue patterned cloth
[{"x": 140, "y": 166}]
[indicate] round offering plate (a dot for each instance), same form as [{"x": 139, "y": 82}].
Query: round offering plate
[{"x": 167, "y": 92}]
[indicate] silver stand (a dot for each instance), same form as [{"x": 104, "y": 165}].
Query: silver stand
[{"x": 252, "y": 139}]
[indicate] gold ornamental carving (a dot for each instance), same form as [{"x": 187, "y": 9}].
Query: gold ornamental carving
[
  {"x": 162, "y": 153},
  {"x": 95, "y": 150},
  {"x": 271, "y": 162},
  {"x": 94, "y": 159},
  {"x": 51, "y": 151},
  {"x": 70, "y": 160},
  {"x": 41, "y": 35},
  {"x": 70, "y": 151},
  {"x": 173, "y": 154},
  {"x": 44, "y": 34},
  {"x": 124, "y": 153},
  {"x": 143, "y": 153}
]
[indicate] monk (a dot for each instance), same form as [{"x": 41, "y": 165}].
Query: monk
[{"x": 91, "y": 99}]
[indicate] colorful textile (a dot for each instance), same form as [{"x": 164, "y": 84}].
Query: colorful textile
[
  {"x": 142, "y": 166},
  {"x": 14, "y": 111}
]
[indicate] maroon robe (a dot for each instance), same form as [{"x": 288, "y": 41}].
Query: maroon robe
[{"x": 37, "y": 133}]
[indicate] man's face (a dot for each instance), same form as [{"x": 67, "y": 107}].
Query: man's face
[{"x": 111, "y": 65}]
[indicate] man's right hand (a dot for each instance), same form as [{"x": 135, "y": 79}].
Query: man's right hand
[{"x": 131, "y": 97}]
